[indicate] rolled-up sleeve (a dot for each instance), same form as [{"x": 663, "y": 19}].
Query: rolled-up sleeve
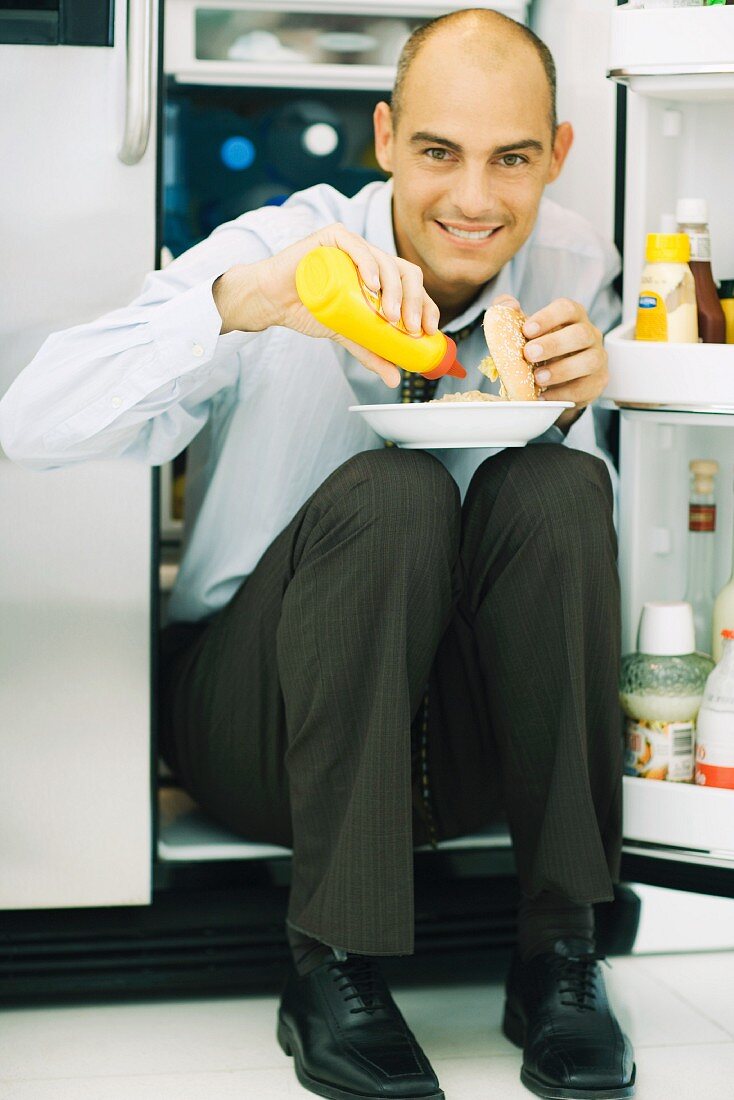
[{"x": 136, "y": 382}]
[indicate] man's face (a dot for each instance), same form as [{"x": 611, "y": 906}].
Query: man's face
[{"x": 471, "y": 154}]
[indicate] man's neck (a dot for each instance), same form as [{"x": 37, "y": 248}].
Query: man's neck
[{"x": 453, "y": 307}]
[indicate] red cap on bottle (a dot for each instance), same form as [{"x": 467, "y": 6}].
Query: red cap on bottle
[{"x": 448, "y": 365}]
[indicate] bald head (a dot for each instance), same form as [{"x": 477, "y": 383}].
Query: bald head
[{"x": 478, "y": 34}]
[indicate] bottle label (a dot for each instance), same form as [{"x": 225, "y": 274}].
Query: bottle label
[
  {"x": 714, "y": 748},
  {"x": 659, "y": 750},
  {"x": 652, "y": 317},
  {"x": 700, "y": 246},
  {"x": 701, "y": 517}
]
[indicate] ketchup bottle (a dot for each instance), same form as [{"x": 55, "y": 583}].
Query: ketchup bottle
[{"x": 693, "y": 216}]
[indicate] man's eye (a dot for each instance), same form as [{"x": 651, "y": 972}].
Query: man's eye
[
  {"x": 437, "y": 154},
  {"x": 512, "y": 160}
]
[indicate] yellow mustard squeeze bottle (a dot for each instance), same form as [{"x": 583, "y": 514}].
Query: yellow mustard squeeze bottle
[{"x": 330, "y": 287}]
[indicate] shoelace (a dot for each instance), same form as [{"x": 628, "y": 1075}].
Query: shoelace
[
  {"x": 359, "y": 975},
  {"x": 578, "y": 972}
]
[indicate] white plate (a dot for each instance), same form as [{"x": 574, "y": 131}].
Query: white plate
[{"x": 462, "y": 423}]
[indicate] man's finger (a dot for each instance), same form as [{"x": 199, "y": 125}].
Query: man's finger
[
  {"x": 579, "y": 391},
  {"x": 392, "y": 287},
  {"x": 431, "y": 315},
  {"x": 507, "y": 300},
  {"x": 411, "y": 278},
  {"x": 569, "y": 340},
  {"x": 582, "y": 365},
  {"x": 563, "y": 311},
  {"x": 388, "y": 372},
  {"x": 356, "y": 248}
]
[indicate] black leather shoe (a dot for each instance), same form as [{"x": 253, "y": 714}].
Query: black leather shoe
[
  {"x": 557, "y": 1010},
  {"x": 348, "y": 1038}
]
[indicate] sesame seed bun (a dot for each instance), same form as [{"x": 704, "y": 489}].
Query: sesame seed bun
[{"x": 504, "y": 336}]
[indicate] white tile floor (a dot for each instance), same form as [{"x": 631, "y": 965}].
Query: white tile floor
[{"x": 678, "y": 1010}]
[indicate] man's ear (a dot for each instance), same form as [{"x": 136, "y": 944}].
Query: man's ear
[
  {"x": 561, "y": 146},
  {"x": 382, "y": 121}
]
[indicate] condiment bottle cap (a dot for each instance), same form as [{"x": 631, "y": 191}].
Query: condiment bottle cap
[
  {"x": 448, "y": 365},
  {"x": 670, "y": 248},
  {"x": 692, "y": 212},
  {"x": 705, "y": 467},
  {"x": 666, "y": 629},
  {"x": 704, "y": 471}
]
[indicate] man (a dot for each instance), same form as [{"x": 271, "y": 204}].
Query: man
[{"x": 356, "y": 662}]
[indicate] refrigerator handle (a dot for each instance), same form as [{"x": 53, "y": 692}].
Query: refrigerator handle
[{"x": 138, "y": 85}]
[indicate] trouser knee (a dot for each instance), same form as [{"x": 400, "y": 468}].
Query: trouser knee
[
  {"x": 408, "y": 496},
  {"x": 545, "y": 485}
]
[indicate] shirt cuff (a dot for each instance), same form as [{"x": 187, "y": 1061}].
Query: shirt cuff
[
  {"x": 577, "y": 435},
  {"x": 550, "y": 435},
  {"x": 186, "y": 331}
]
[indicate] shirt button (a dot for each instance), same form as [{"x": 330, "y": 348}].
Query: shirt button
[
  {"x": 197, "y": 350},
  {"x": 116, "y": 402}
]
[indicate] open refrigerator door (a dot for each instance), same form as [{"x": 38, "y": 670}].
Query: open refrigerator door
[{"x": 676, "y": 399}]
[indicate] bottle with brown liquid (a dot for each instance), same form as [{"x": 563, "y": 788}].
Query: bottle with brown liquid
[
  {"x": 692, "y": 216},
  {"x": 726, "y": 297}
]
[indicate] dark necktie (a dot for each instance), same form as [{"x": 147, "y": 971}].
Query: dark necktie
[{"x": 415, "y": 387}]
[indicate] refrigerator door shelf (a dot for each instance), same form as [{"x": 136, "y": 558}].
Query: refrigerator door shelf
[
  {"x": 680, "y": 84},
  {"x": 377, "y": 78},
  {"x": 679, "y": 815},
  {"x": 677, "y": 53},
  {"x": 681, "y": 376}
]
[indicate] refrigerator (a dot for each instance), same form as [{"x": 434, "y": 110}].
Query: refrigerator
[
  {"x": 676, "y": 400},
  {"x": 105, "y": 121}
]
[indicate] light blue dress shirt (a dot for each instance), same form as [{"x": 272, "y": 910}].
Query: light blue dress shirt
[{"x": 264, "y": 415}]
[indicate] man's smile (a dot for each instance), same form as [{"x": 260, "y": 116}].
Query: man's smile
[{"x": 467, "y": 235}]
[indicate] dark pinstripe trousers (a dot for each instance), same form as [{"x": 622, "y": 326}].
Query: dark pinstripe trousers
[{"x": 287, "y": 715}]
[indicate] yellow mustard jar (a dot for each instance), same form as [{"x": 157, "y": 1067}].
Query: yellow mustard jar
[{"x": 330, "y": 287}]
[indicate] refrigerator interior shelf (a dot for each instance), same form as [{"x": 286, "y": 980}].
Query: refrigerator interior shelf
[
  {"x": 686, "y": 376},
  {"x": 186, "y": 833},
  {"x": 295, "y": 43},
  {"x": 673, "y": 52},
  {"x": 681, "y": 815},
  {"x": 246, "y": 74},
  {"x": 680, "y": 855}
]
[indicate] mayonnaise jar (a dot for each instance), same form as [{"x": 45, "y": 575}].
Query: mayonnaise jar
[{"x": 666, "y": 308}]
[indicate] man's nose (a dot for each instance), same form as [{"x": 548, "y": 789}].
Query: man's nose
[{"x": 472, "y": 195}]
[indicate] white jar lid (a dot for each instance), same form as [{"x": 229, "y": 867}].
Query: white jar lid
[
  {"x": 666, "y": 629},
  {"x": 692, "y": 212}
]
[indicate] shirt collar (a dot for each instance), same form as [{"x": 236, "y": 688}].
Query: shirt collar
[{"x": 379, "y": 231}]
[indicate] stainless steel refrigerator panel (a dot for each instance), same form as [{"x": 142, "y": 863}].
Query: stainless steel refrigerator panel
[
  {"x": 74, "y": 688},
  {"x": 77, "y": 221}
]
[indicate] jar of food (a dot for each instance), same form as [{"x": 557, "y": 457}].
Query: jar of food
[
  {"x": 660, "y": 691},
  {"x": 666, "y": 307}
]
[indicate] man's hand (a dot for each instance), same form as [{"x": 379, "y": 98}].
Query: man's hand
[
  {"x": 252, "y": 297},
  {"x": 568, "y": 355}
]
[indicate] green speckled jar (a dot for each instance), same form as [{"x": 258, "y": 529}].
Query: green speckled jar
[{"x": 660, "y": 694}]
